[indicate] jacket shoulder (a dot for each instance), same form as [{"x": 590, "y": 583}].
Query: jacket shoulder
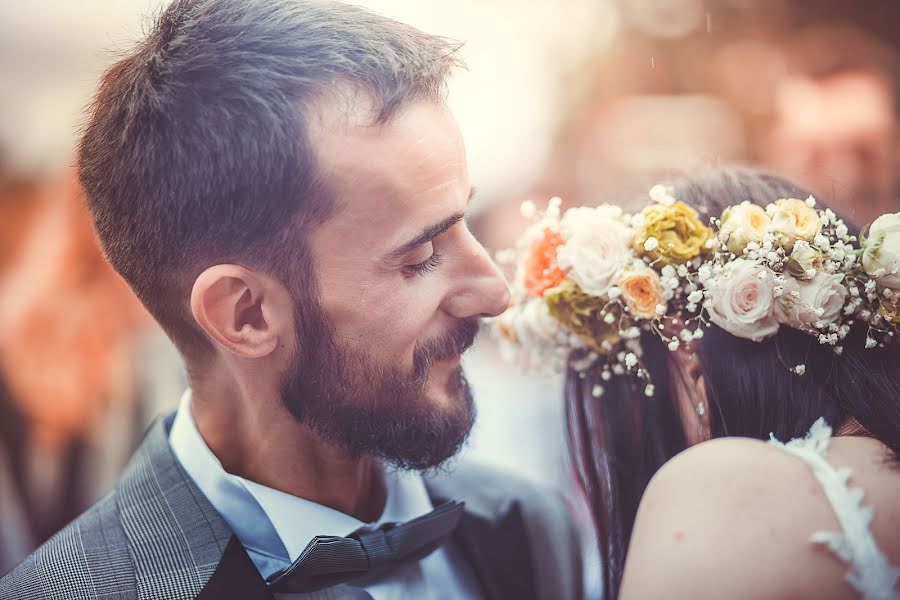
[
  {"x": 487, "y": 491},
  {"x": 556, "y": 545},
  {"x": 89, "y": 558}
]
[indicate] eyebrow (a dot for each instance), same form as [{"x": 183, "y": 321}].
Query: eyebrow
[{"x": 430, "y": 232}]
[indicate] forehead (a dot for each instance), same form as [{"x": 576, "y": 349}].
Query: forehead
[{"x": 413, "y": 164}]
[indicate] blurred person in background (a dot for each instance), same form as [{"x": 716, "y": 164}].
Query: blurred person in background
[
  {"x": 836, "y": 120},
  {"x": 17, "y": 208},
  {"x": 74, "y": 399}
]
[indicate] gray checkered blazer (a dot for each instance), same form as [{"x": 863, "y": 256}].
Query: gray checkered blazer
[{"x": 156, "y": 537}]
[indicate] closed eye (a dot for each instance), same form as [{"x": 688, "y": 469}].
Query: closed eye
[{"x": 423, "y": 268}]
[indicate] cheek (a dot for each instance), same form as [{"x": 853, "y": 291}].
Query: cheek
[
  {"x": 386, "y": 319},
  {"x": 409, "y": 316}
]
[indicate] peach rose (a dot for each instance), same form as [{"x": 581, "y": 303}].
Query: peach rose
[
  {"x": 541, "y": 268},
  {"x": 642, "y": 291}
]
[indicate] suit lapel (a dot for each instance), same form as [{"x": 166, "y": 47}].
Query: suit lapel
[
  {"x": 499, "y": 552},
  {"x": 495, "y": 542},
  {"x": 176, "y": 536},
  {"x": 235, "y": 577}
]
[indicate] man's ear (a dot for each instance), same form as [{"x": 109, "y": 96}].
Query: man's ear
[{"x": 243, "y": 311}]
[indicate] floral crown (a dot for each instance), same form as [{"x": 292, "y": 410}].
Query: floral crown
[{"x": 590, "y": 280}]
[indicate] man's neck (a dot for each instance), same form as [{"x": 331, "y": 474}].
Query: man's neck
[{"x": 254, "y": 436}]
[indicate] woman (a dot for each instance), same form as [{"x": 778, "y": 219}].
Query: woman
[{"x": 713, "y": 338}]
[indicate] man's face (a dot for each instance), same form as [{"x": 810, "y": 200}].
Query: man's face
[{"x": 402, "y": 284}]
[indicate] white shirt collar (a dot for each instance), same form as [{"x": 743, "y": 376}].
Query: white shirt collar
[{"x": 276, "y": 527}]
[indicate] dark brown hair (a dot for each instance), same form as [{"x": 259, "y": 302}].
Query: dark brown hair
[{"x": 195, "y": 151}]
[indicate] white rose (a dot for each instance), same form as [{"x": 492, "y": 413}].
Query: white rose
[
  {"x": 588, "y": 217},
  {"x": 804, "y": 259},
  {"x": 536, "y": 326},
  {"x": 743, "y": 224},
  {"x": 804, "y": 303},
  {"x": 597, "y": 245},
  {"x": 794, "y": 220},
  {"x": 742, "y": 303},
  {"x": 882, "y": 251},
  {"x": 530, "y": 337}
]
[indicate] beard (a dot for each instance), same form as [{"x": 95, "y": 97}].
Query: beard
[{"x": 365, "y": 409}]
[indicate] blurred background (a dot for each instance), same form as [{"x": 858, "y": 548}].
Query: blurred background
[{"x": 592, "y": 100}]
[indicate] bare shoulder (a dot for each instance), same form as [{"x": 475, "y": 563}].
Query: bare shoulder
[{"x": 732, "y": 517}]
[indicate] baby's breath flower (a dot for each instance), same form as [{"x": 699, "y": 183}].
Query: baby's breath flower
[{"x": 528, "y": 209}]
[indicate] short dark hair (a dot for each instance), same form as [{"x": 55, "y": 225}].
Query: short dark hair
[{"x": 195, "y": 151}]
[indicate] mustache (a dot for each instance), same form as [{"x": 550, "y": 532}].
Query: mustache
[{"x": 452, "y": 343}]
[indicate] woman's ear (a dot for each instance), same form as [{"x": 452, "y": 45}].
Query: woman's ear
[
  {"x": 240, "y": 310},
  {"x": 690, "y": 389}
]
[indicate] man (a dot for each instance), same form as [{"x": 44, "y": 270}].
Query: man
[{"x": 281, "y": 184}]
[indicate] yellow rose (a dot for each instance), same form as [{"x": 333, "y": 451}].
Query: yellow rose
[
  {"x": 793, "y": 220},
  {"x": 743, "y": 224},
  {"x": 890, "y": 311},
  {"x": 642, "y": 291},
  {"x": 670, "y": 234},
  {"x": 585, "y": 315}
]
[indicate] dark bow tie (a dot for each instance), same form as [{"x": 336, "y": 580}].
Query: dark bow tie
[{"x": 329, "y": 560}]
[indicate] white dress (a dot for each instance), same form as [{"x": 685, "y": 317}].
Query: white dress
[{"x": 869, "y": 570}]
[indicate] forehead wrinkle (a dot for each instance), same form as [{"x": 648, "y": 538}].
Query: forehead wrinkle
[
  {"x": 382, "y": 185},
  {"x": 404, "y": 194}
]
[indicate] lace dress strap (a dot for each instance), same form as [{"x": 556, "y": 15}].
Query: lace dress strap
[{"x": 870, "y": 572}]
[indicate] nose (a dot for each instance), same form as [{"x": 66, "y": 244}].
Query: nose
[{"x": 481, "y": 289}]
